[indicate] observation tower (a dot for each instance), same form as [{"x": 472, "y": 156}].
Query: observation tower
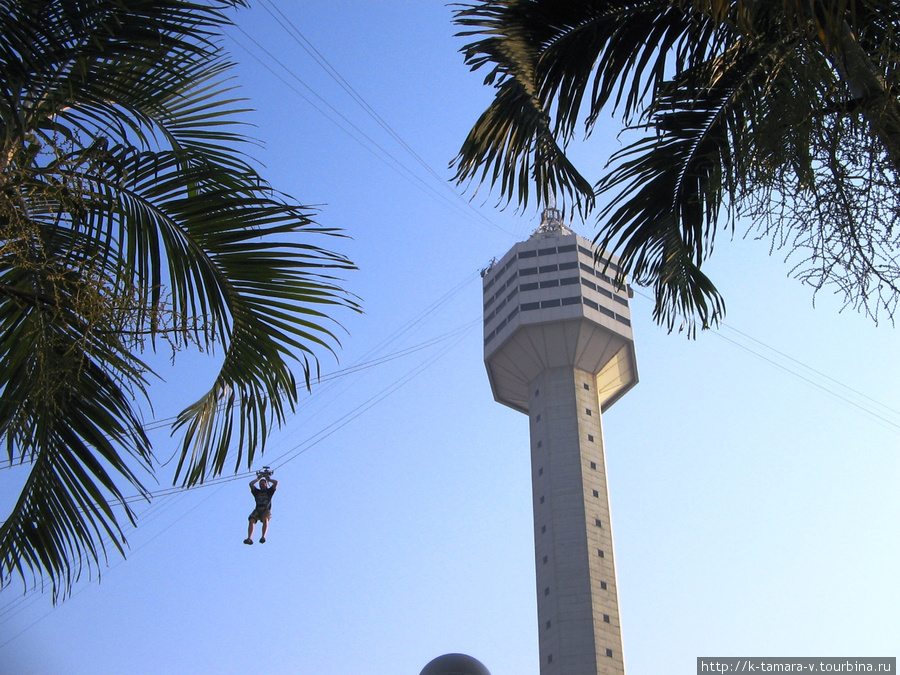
[{"x": 558, "y": 347}]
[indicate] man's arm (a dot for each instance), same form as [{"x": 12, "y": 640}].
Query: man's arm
[
  {"x": 254, "y": 482},
  {"x": 273, "y": 482}
]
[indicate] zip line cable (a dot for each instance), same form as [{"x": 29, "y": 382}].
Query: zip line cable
[
  {"x": 456, "y": 335},
  {"x": 297, "y": 36},
  {"x": 887, "y": 408},
  {"x": 374, "y": 400},
  {"x": 895, "y": 425},
  {"x": 165, "y": 422},
  {"x": 162, "y": 423},
  {"x": 385, "y": 157},
  {"x": 360, "y": 364},
  {"x": 879, "y": 417},
  {"x": 166, "y": 498}
]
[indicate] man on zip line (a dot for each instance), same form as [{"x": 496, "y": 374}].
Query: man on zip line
[{"x": 263, "y": 496}]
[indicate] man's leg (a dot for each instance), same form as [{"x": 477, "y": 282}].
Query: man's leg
[
  {"x": 265, "y": 528},
  {"x": 249, "y": 539}
]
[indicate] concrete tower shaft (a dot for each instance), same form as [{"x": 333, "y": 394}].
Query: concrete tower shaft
[
  {"x": 559, "y": 348},
  {"x": 577, "y": 593}
]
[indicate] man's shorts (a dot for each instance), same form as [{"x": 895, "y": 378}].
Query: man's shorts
[{"x": 260, "y": 514}]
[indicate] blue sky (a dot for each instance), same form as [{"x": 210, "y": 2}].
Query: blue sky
[{"x": 753, "y": 472}]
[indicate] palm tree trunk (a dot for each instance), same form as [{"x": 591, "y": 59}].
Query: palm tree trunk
[{"x": 871, "y": 96}]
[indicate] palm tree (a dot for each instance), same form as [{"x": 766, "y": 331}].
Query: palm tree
[
  {"x": 129, "y": 218},
  {"x": 784, "y": 113}
]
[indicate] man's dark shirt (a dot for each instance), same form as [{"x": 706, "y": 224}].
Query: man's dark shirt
[{"x": 263, "y": 497}]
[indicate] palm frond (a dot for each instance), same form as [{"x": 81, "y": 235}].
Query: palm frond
[
  {"x": 670, "y": 189},
  {"x": 736, "y": 102},
  {"x": 518, "y": 154},
  {"x": 513, "y": 141}
]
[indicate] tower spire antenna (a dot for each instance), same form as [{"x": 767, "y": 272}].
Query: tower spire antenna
[{"x": 552, "y": 220}]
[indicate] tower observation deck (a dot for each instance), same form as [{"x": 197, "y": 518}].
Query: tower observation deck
[{"x": 558, "y": 347}]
